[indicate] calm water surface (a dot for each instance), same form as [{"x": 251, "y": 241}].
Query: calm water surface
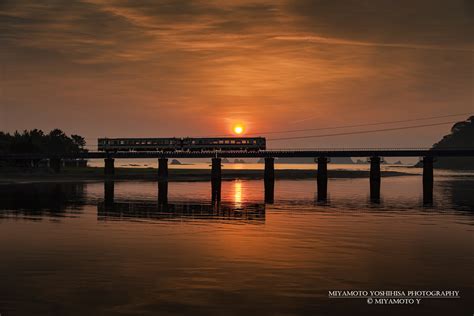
[{"x": 71, "y": 249}]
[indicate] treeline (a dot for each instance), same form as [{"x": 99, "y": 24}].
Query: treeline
[
  {"x": 461, "y": 136},
  {"x": 36, "y": 141}
]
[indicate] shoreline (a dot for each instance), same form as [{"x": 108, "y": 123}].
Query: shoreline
[{"x": 177, "y": 175}]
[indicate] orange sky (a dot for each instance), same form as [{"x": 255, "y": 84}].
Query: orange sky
[{"x": 196, "y": 68}]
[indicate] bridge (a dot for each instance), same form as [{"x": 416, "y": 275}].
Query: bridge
[
  {"x": 321, "y": 156},
  {"x": 276, "y": 153}
]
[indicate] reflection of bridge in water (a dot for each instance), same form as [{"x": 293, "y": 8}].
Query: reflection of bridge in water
[
  {"x": 129, "y": 210},
  {"x": 110, "y": 209},
  {"x": 35, "y": 201}
]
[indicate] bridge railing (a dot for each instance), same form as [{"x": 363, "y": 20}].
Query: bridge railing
[{"x": 284, "y": 152}]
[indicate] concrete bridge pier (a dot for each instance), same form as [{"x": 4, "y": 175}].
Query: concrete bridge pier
[
  {"x": 109, "y": 166},
  {"x": 163, "y": 169},
  {"x": 163, "y": 181},
  {"x": 375, "y": 178},
  {"x": 269, "y": 179},
  {"x": 322, "y": 178},
  {"x": 427, "y": 179},
  {"x": 162, "y": 192},
  {"x": 216, "y": 179},
  {"x": 55, "y": 164}
]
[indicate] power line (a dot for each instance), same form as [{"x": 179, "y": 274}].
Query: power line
[
  {"x": 360, "y": 132},
  {"x": 333, "y": 127},
  {"x": 359, "y": 125},
  {"x": 353, "y": 133}
]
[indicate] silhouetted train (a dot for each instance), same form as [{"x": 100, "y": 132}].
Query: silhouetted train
[{"x": 182, "y": 144}]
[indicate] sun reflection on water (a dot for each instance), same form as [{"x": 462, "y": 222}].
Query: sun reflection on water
[{"x": 238, "y": 193}]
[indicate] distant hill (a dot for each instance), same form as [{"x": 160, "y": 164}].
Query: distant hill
[
  {"x": 341, "y": 160},
  {"x": 461, "y": 136}
]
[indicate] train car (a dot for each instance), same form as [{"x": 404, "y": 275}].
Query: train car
[
  {"x": 182, "y": 144},
  {"x": 224, "y": 144},
  {"x": 139, "y": 144}
]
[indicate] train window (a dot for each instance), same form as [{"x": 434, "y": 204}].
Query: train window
[
  {"x": 193, "y": 142},
  {"x": 122, "y": 142},
  {"x": 221, "y": 142},
  {"x": 232, "y": 141}
]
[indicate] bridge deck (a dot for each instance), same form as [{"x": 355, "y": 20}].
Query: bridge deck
[{"x": 258, "y": 154}]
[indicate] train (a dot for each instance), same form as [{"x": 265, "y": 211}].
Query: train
[{"x": 182, "y": 144}]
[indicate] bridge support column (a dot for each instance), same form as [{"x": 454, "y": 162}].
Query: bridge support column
[
  {"x": 269, "y": 179},
  {"x": 55, "y": 164},
  {"x": 109, "y": 188},
  {"x": 162, "y": 192},
  {"x": 216, "y": 178},
  {"x": 322, "y": 178},
  {"x": 375, "y": 178},
  {"x": 427, "y": 179},
  {"x": 109, "y": 166},
  {"x": 163, "y": 169}
]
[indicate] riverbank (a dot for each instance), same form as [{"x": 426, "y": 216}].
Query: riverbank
[{"x": 96, "y": 173}]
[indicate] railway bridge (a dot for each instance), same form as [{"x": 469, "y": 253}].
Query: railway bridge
[{"x": 321, "y": 157}]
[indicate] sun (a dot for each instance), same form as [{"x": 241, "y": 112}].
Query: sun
[{"x": 238, "y": 129}]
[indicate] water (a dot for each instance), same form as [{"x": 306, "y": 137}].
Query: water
[{"x": 66, "y": 249}]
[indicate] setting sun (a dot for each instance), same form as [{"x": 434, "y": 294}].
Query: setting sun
[{"x": 238, "y": 129}]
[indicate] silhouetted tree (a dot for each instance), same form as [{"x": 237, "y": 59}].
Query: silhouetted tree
[
  {"x": 462, "y": 136},
  {"x": 79, "y": 141},
  {"x": 36, "y": 141}
]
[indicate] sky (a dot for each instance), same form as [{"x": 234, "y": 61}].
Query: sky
[{"x": 131, "y": 68}]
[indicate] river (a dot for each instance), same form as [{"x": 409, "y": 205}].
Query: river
[{"x": 67, "y": 249}]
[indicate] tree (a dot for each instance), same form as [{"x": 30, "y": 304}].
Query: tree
[
  {"x": 462, "y": 136},
  {"x": 36, "y": 141},
  {"x": 79, "y": 141}
]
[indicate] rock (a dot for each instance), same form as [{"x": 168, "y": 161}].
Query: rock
[{"x": 175, "y": 162}]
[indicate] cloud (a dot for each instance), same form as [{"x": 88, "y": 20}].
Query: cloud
[
  {"x": 162, "y": 63},
  {"x": 427, "y": 22},
  {"x": 337, "y": 41}
]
